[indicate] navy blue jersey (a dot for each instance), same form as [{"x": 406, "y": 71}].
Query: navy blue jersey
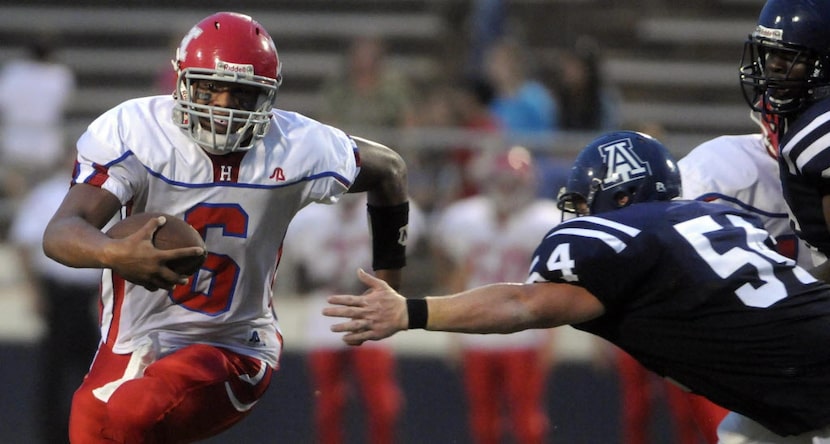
[
  {"x": 804, "y": 161},
  {"x": 695, "y": 293}
]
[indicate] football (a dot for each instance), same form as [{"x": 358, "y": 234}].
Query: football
[{"x": 175, "y": 233}]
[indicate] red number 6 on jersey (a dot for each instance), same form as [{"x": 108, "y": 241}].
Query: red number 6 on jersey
[{"x": 220, "y": 269}]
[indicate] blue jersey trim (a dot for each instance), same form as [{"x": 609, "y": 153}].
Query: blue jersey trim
[
  {"x": 346, "y": 182},
  {"x": 336, "y": 176}
]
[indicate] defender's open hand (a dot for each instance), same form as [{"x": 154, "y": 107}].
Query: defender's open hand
[{"x": 379, "y": 313}]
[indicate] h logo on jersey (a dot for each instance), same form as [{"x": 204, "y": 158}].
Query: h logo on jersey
[
  {"x": 623, "y": 163},
  {"x": 225, "y": 173}
]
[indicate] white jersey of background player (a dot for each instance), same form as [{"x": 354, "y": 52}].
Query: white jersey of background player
[
  {"x": 486, "y": 239},
  {"x": 330, "y": 242},
  {"x": 742, "y": 171},
  {"x": 491, "y": 237}
]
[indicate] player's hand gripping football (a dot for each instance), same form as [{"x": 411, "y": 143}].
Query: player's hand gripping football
[
  {"x": 378, "y": 313},
  {"x": 136, "y": 259}
]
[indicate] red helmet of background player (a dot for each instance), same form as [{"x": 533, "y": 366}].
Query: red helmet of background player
[
  {"x": 508, "y": 178},
  {"x": 230, "y": 48}
]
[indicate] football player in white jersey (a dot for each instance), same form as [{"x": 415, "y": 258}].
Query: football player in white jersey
[
  {"x": 489, "y": 238},
  {"x": 183, "y": 358},
  {"x": 709, "y": 173},
  {"x": 342, "y": 232}
]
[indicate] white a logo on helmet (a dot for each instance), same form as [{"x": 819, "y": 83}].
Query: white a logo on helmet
[{"x": 623, "y": 163}]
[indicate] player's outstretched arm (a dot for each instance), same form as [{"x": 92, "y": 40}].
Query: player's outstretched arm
[{"x": 497, "y": 308}]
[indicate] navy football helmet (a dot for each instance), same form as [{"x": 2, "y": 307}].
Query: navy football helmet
[
  {"x": 786, "y": 60},
  {"x": 616, "y": 166}
]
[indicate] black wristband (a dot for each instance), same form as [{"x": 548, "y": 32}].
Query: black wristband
[
  {"x": 418, "y": 313},
  {"x": 389, "y": 227}
]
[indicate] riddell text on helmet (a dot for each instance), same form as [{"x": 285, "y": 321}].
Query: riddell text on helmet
[{"x": 246, "y": 70}]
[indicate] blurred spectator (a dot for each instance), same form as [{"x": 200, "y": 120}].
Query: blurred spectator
[
  {"x": 433, "y": 178},
  {"x": 487, "y": 23},
  {"x": 443, "y": 174},
  {"x": 523, "y": 104},
  {"x": 367, "y": 92},
  {"x": 486, "y": 239},
  {"x": 472, "y": 101},
  {"x": 66, "y": 300},
  {"x": 325, "y": 246},
  {"x": 587, "y": 101},
  {"x": 34, "y": 93}
]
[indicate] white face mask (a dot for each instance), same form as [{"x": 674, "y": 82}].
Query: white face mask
[
  {"x": 212, "y": 127},
  {"x": 217, "y": 143}
]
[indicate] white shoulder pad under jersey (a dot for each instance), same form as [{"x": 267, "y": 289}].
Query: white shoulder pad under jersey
[
  {"x": 738, "y": 171},
  {"x": 241, "y": 203}
]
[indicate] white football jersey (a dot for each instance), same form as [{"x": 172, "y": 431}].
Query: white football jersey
[
  {"x": 241, "y": 203},
  {"x": 738, "y": 171},
  {"x": 469, "y": 232}
]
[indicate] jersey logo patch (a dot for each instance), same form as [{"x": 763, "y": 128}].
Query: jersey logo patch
[
  {"x": 623, "y": 163},
  {"x": 278, "y": 175},
  {"x": 226, "y": 167},
  {"x": 225, "y": 173}
]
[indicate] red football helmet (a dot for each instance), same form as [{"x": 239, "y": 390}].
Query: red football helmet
[
  {"x": 508, "y": 178},
  {"x": 230, "y": 49}
]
